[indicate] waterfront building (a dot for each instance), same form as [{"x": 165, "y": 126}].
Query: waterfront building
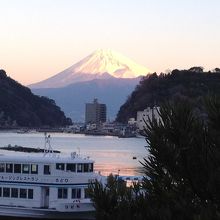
[
  {"x": 95, "y": 112},
  {"x": 132, "y": 121},
  {"x": 146, "y": 115},
  {"x": 91, "y": 127}
]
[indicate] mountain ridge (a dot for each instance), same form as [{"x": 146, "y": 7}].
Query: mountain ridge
[
  {"x": 20, "y": 107},
  {"x": 101, "y": 64},
  {"x": 154, "y": 90},
  {"x": 72, "y": 98}
]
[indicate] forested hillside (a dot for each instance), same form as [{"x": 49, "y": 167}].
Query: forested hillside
[
  {"x": 19, "y": 107},
  {"x": 155, "y": 89}
]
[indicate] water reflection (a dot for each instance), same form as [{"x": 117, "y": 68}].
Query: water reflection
[{"x": 107, "y": 169}]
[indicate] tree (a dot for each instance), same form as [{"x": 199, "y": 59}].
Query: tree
[
  {"x": 216, "y": 70},
  {"x": 114, "y": 200},
  {"x": 2, "y": 74},
  {"x": 183, "y": 169},
  {"x": 197, "y": 69}
]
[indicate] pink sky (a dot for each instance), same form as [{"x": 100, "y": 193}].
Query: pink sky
[{"x": 41, "y": 38}]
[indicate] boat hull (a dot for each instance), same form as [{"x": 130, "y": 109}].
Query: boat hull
[{"x": 30, "y": 213}]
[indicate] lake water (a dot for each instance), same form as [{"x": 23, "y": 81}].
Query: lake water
[{"x": 111, "y": 154}]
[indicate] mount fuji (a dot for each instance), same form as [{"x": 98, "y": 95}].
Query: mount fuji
[
  {"x": 104, "y": 74},
  {"x": 101, "y": 64}
]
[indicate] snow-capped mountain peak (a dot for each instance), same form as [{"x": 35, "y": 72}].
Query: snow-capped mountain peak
[
  {"x": 100, "y": 64},
  {"x": 102, "y": 61}
]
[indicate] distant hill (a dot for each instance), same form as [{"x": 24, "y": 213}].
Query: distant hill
[
  {"x": 113, "y": 92},
  {"x": 154, "y": 89},
  {"x": 19, "y": 107}
]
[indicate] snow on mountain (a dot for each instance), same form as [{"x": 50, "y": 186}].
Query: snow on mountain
[{"x": 102, "y": 64}]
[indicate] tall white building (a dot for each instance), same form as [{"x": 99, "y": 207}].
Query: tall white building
[{"x": 147, "y": 115}]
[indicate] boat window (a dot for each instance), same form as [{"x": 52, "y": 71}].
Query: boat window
[
  {"x": 86, "y": 167},
  {"x": 62, "y": 193},
  {"x": 34, "y": 168},
  {"x": 25, "y": 168},
  {"x": 30, "y": 193},
  {"x": 23, "y": 193},
  {"x": 0, "y": 191},
  {"x": 76, "y": 193},
  {"x": 47, "y": 191},
  {"x": 17, "y": 168},
  {"x": 2, "y": 167},
  {"x": 14, "y": 192},
  {"x": 79, "y": 167},
  {"x": 91, "y": 167},
  {"x": 60, "y": 166},
  {"x": 47, "y": 169},
  {"x": 65, "y": 193},
  {"x": 9, "y": 167},
  {"x": 6, "y": 192},
  {"x": 71, "y": 167}
]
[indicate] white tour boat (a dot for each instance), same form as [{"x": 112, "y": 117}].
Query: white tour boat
[{"x": 46, "y": 185}]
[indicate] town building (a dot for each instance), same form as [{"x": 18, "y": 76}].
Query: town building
[
  {"x": 95, "y": 113},
  {"x": 143, "y": 117},
  {"x": 132, "y": 121}
]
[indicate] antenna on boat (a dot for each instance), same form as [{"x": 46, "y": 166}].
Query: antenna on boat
[
  {"x": 47, "y": 146},
  {"x": 78, "y": 151}
]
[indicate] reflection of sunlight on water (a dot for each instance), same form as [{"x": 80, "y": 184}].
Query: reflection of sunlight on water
[
  {"x": 111, "y": 161},
  {"x": 106, "y": 169}
]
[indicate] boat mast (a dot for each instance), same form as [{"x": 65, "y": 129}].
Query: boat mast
[{"x": 47, "y": 146}]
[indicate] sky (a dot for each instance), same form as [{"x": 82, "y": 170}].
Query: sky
[{"x": 40, "y": 38}]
